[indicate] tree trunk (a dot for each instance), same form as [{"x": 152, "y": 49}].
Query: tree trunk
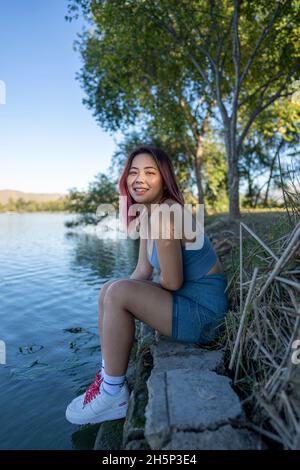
[
  {"x": 250, "y": 189},
  {"x": 198, "y": 161},
  {"x": 233, "y": 174},
  {"x": 269, "y": 181},
  {"x": 256, "y": 198},
  {"x": 233, "y": 180},
  {"x": 198, "y": 172}
]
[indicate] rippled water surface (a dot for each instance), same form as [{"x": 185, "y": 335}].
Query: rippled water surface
[{"x": 49, "y": 286}]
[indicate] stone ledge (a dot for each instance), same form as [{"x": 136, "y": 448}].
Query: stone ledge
[
  {"x": 182, "y": 400},
  {"x": 190, "y": 405},
  {"x": 177, "y": 355},
  {"x": 224, "y": 438}
]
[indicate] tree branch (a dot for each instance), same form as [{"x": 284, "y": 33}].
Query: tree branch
[
  {"x": 223, "y": 39},
  {"x": 262, "y": 108},
  {"x": 236, "y": 53},
  {"x": 263, "y": 86},
  {"x": 178, "y": 40},
  {"x": 259, "y": 42},
  {"x": 217, "y": 93}
]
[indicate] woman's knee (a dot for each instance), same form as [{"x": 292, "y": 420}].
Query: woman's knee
[
  {"x": 118, "y": 291},
  {"x": 103, "y": 290}
]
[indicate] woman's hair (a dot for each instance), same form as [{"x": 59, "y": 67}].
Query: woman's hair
[{"x": 166, "y": 169}]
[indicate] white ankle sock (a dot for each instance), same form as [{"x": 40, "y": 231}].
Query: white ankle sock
[
  {"x": 113, "y": 384},
  {"x": 102, "y": 367}
]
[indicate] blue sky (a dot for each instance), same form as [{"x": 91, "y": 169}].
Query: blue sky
[{"x": 49, "y": 141}]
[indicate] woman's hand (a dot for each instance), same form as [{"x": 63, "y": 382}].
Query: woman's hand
[{"x": 161, "y": 280}]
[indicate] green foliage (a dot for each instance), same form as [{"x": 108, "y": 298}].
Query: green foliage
[
  {"x": 277, "y": 129},
  {"x": 20, "y": 205},
  {"x": 100, "y": 191},
  {"x": 215, "y": 170},
  {"x": 169, "y": 65}
]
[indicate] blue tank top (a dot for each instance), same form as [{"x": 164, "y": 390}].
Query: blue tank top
[{"x": 196, "y": 263}]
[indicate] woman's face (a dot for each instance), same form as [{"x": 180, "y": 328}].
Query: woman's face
[{"x": 144, "y": 173}]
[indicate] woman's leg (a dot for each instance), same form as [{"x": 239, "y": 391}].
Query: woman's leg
[
  {"x": 101, "y": 303},
  {"x": 101, "y": 309},
  {"x": 124, "y": 301}
]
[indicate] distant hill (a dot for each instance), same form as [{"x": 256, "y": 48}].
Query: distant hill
[{"x": 5, "y": 194}]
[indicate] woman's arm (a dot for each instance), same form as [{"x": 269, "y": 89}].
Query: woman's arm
[
  {"x": 168, "y": 286},
  {"x": 141, "y": 275},
  {"x": 143, "y": 270},
  {"x": 169, "y": 251}
]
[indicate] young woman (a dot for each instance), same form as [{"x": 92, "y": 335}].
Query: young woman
[{"x": 187, "y": 304}]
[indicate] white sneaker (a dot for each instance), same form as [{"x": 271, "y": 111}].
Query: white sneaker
[{"x": 96, "y": 405}]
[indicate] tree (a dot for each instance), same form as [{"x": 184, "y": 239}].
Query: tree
[
  {"x": 274, "y": 132},
  {"x": 101, "y": 190},
  {"x": 234, "y": 58}
]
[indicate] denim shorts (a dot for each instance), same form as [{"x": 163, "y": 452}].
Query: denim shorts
[{"x": 199, "y": 308}]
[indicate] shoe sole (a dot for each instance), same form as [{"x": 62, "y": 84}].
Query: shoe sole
[{"x": 108, "y": 416}]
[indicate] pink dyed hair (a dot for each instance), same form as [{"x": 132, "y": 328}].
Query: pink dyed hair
[{"x": 166, "y": 169}]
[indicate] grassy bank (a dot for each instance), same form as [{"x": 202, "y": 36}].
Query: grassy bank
[{"x": 263, "y": 321}]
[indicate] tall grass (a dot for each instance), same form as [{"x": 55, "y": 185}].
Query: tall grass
[{"x": 264, "y": 323}]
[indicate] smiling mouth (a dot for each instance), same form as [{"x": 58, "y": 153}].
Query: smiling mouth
[{"x": 140, "y": 191}]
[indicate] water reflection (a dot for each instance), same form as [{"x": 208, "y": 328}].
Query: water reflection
[
  {"x": 50, "y": 280},
  {"x": 103, "y": 258}
]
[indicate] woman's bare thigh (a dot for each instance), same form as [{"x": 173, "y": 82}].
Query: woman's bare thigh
[{"x": 145, "y": 300}]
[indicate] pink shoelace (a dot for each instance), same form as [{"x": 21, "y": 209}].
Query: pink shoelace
[{"x": 94, "y": 389}]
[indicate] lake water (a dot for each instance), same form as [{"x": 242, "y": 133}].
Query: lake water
[{"x": 49, "y": 286}]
